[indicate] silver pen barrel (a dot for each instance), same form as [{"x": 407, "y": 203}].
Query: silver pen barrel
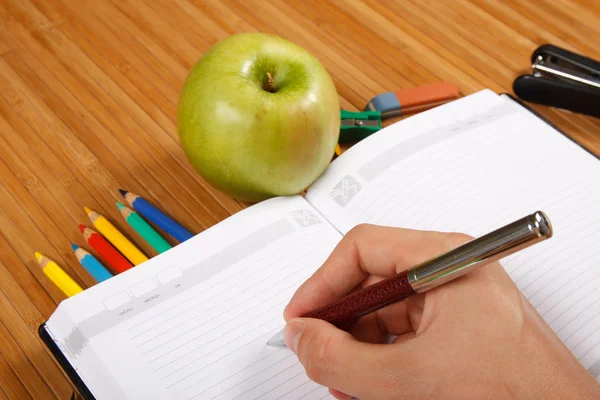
[{"x": 481, "y": 251}]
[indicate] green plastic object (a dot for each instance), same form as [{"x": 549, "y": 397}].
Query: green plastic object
[{"x": 355, "y": 126}]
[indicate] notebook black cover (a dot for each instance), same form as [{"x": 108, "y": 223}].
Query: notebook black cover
[
  {"x": 64, "y": 363},
  {"x": 84, "y": 391}
]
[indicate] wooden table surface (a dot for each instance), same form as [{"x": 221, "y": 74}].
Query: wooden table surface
[{"x": 88, "y": 94}]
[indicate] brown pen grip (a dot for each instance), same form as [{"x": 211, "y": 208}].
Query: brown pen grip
[{"x": 343, "y": 312}]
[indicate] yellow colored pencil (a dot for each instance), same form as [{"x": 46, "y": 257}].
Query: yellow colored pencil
[
  {"x": 58, "y": 276},
  {"x": 113, "y": 235}
]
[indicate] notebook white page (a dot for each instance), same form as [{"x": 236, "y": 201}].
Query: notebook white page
[
  {"x": 472, "y": 166},
  {"x": 192, "y": 323}
]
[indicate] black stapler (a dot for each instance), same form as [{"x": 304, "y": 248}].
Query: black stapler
[{"x": 561, "y": 79}]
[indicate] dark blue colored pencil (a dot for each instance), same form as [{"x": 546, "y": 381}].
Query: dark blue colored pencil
[{"x": 156, "y": 216}]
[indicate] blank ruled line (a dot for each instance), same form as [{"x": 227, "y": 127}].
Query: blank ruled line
[
  {"x": 295, "y": 387},
  {"x": 563, "y": 313},
  {"x": 564, "y": 230},
  {"x": 574, "y": 242},
  {"x": 249, "y": 378},
  {"x": 560, "y": 276},
  {"x": 394, "y": 203},
  {"x": 588, "y": 320},
  {"x": 533, "y": 198},
  {"x": 240, "y": 278},
  {"x": 407, "y": 169},
  {"x": 230, "y": 365},
  {"x": 281, "y": 384},
  {"x": 220, "y": 326},
  {"x": 263, "y": 382},
  {"x": 309, "y": 393},
  {"x": 458, "y": 163},
  {"x": 380, "y": 189},
  {"x": 296, "y": 282},
  {"x": 228, "y": 299},
  {"x": 584, "y": 339},
  {"x": 231, "y": 273},
  {"x": 517, "y": 183},
  {"x": 574, "y": 317},
  {"x": 558, "y": 264},
  {"x": 585, "y": 216},
  {"x": 224, "y": 323},
  {"x": 427, "y": 198},
  {"x": 388, "y": 188},
  {"x": 454, "y": 179},
  {"x": 592, "y": 347},
  {"x": 240, "y": 382},
  {"x": 226, "y": 274},
  {"x": 448, "y": 178},
  {"x": 559, "y": 301},
  {"x": 415, "y": 200},
  {"x": 211, "y": 352},
  {"x": 195, "y": 360},
  {"x": 205, "y": 343},
  {"x": 271, "y": 332}
]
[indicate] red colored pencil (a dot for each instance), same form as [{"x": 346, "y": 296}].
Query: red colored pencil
[{"x": 105, "y": 250}]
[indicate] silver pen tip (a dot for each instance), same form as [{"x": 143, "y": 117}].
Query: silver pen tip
[{"x": 277, "y": 340}]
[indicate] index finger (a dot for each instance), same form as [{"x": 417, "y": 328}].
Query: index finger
[{"x": 364, "y": 251}]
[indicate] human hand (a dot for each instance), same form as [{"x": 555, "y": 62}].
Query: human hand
[{"x": 474, "y": 337}]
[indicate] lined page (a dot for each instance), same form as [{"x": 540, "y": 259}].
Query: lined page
[
  {"x": 475, "y": 165},
  {"x": 193, "y": 322}
]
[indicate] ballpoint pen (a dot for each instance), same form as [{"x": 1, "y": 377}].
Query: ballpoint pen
[{"x": 478, "y": 252}]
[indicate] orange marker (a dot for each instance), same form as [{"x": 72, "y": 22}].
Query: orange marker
[{"x": 404, "y": 101}]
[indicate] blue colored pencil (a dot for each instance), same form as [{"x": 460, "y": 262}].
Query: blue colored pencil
[
  {"x": 93, "y": 266},
  {"x": 156, "y": 216}
]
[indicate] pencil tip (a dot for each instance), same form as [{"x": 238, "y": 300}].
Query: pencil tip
[
  {"x": 82, "y": 227},
  {"x": 121, "y": 206},
  {"x": 87, "y": 210},
  {"x": 38, "y": 256},
  {"x": 123, "y": 192},
  {"x": 74, "y": 246}
]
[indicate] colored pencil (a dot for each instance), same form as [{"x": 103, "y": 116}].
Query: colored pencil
[
  {"x": 156, "y": 216},
  {"x": 58, "y": 276},
  {"x": 112, "y": 234},
  {"x": 91, "y": 265},
  {"x": 144, "y": 229},
  {"x": 105, "y": 250}
]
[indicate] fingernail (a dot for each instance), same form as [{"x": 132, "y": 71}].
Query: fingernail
[{"x": 292, "y": 332}]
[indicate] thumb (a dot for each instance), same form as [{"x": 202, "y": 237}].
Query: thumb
[{"x": 334, "y": 358}]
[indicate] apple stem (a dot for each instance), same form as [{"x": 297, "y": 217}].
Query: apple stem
[{"x": 269, "y": 84}]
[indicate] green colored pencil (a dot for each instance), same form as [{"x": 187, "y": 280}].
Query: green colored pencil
[{"x": 144, "y": 229}]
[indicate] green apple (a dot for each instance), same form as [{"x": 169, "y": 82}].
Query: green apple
[{"x": 258, "y": 116}]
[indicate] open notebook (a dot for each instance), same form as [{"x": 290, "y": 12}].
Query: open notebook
[{"x": 192, "y": 323}]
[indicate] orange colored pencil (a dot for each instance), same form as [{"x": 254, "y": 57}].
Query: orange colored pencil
[{"x": 105, "y": 250}]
